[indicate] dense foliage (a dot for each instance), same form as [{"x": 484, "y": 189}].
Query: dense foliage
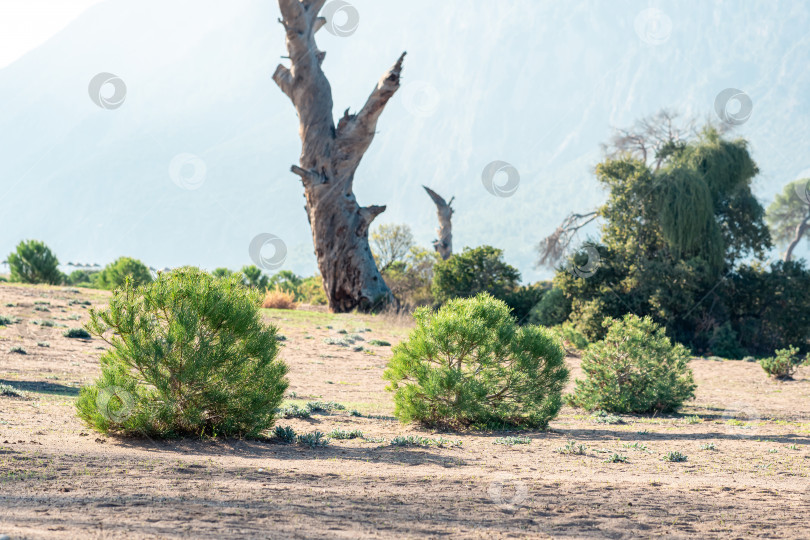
[
  {"x": 188, "y": 354},
  {"x": 671, "y": 246},
  {"x": 34, "y": 262},
  {"x": 470, "y": 364},
  {"x": 634, "y": 369},
  {"x": 116, "y": 273}
]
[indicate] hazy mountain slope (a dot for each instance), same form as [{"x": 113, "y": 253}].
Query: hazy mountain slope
[{"x": 536, "y": 84}]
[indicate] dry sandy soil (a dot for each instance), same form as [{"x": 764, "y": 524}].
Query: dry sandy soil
[{"x": 58, "y": 479}]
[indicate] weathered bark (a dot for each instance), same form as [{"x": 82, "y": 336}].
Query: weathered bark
[
  {"x": 328, "y": 161},
  {"x": 801, "y": 228},
  {"x": 444, "y": 243}
]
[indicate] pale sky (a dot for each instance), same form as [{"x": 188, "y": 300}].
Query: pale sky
[{"x": 26, "y": 24}]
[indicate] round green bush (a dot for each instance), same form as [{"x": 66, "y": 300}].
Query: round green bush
[
  {"x": 635, "y": 369},
  {"x": 188, "y": 354},
  {"x": 34, "y": 262},
  {"x": 471, "y": 364},
  {"x": 116, "y": 273}
]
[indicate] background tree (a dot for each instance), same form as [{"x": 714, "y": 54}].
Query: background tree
[
  {"x": 254, "y": 278},
  {"x": 789, "y": 215},
  {"x": 114, "y": 275},
  {"x": 444, "y": 243},
  {"x": 411, "y": 278},
  {"x": 474, "y": 271},
  {"x": 671, "y": 238},
  {"x": 329, "y": 158},
  {"x": 34, "y": 262},
  {"x": 390, "y": 244}
]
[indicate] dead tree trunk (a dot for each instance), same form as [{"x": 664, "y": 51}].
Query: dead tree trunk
[
  {"x": 329, "y": 159},
  {"x": 444, "y": 243},
  {"x": 801, "y": 228}
]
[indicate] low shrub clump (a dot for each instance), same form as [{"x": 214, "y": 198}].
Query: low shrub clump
[
  {"x": 76, "y": 333},
  {"x": 278, "y": 299},
  {"x": 784, "y": 364},
  {"x": 635, "y": 369},
  {"x": 470, "y": 363},
  {"x": 9, "y": 391},
  {"x": 189, "y": 354}
]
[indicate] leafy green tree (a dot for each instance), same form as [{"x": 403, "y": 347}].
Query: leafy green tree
[
  {"x": 287, "y": 281},
  {"x": 669, "y": 237},
  {"x": 768, "y": 307},
  {"x": 189, "y": 355},
  {"x": 391, "y": 244},
  {"x": 473, "y": 271},
  {"x": 34, "y": 262},
  {"x": 115, "y": 274},
  {"x": 254, "y": 278},
  {"x": 82, "y": 277},
  {"x": 410, "y": 279},
  {"x": 635, "y": 369},
  {"x": 221, "y": 272},
  {"x": 789, "y": 216},
  {"x": 470, "y": 364}
]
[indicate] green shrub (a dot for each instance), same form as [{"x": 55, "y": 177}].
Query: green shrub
[
  {"x": 6, "y": 321},
  {"x": 784, "y": 364},
  {"x": 34, "y": 262},
  {"x": 470, "y": 363},
  {"x": 674, "y": 457},
  {"x": 116, "y": 273},
  {"x": 17, "y": 350},
  {"x": 379, "y": 343},
  {"x": 474, "y": 271},
  {"x": 571, "y": 447},
  {"x": 76, "y": 333},
  {"x": 293, "y": 411},
  {"x": 343, "y": 434},
  {"x": 313, "y": 439},
  {"x": 189, "y": 354},
  {"x": 570, "y": 336},
  {"x": 323, "y": 406},
  {"x": 511, "y": 441},
  {"x": 83, "y": 278},
  {"x": 9, "y": 391},
  {"x": 635, "y": 369},
  {"x": 285, "y": 434},
  {"x": 552, "y": 309}
]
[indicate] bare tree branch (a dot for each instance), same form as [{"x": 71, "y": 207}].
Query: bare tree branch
[{"x": 552, "y": 248}]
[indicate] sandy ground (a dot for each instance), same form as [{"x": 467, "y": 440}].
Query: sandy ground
[{"x": 58, "y": 479}]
